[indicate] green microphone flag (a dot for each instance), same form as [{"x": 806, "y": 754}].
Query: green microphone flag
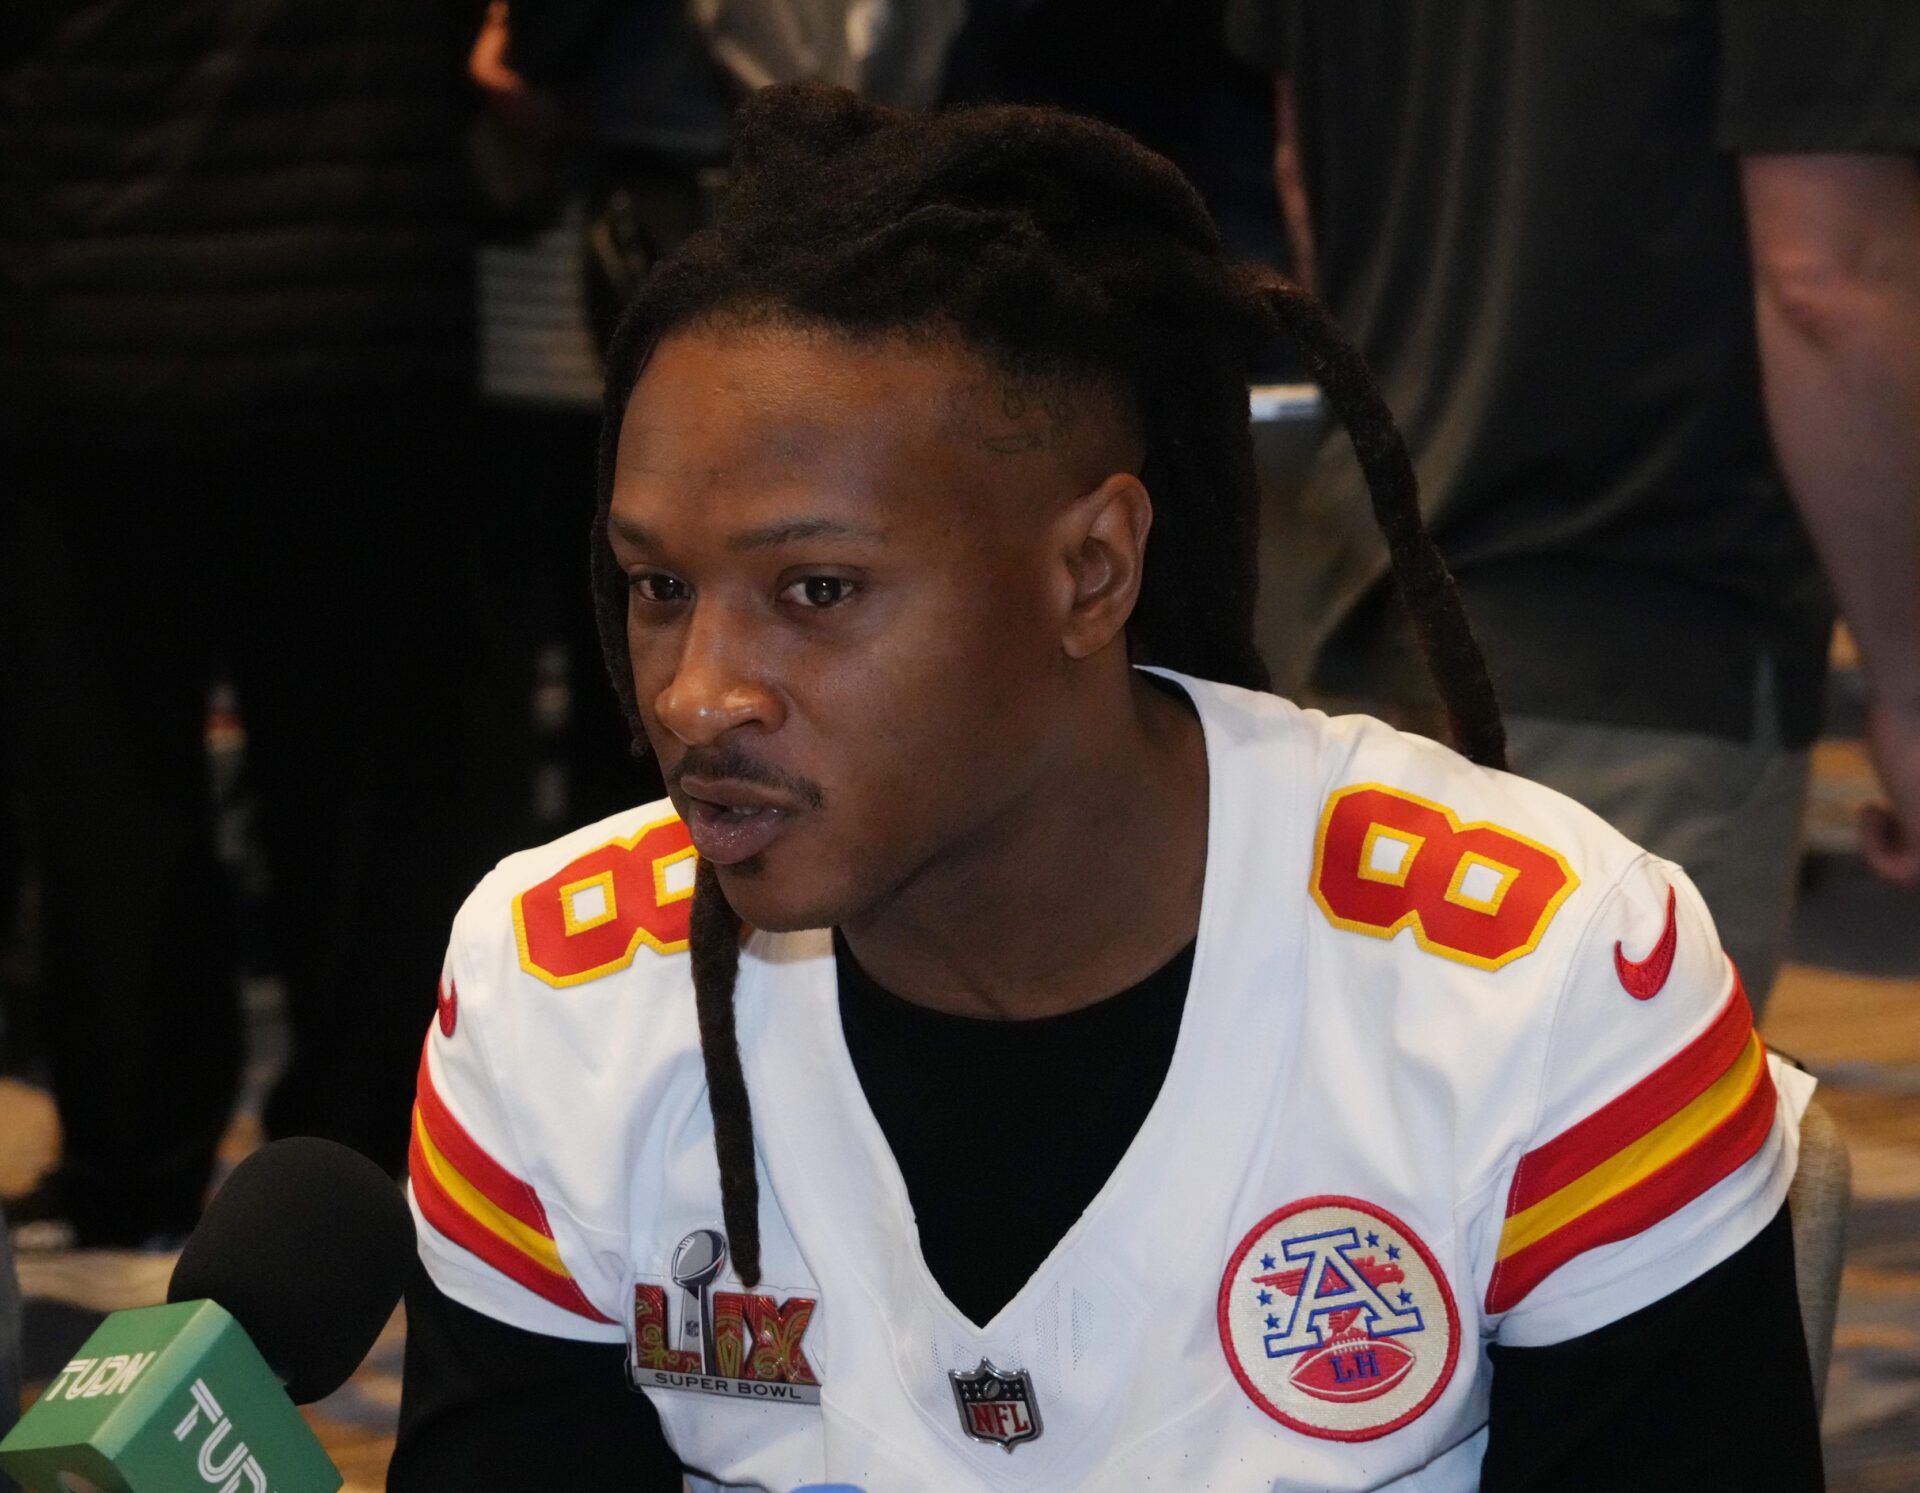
[{"x": 166, "y": 1399}]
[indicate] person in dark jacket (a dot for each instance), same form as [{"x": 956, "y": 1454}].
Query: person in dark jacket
[{"x": 235, "y": 399}]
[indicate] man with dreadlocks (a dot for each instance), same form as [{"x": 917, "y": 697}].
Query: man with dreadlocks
[{"x": 1020, "y": 1053}]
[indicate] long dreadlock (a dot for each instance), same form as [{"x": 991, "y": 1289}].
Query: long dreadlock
[{"x": 1066, "y": 256}]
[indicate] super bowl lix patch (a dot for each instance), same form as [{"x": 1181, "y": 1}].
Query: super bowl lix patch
[
  {"x": 743, "y": 1345},
  {"x": 1337, "y": 1320}
]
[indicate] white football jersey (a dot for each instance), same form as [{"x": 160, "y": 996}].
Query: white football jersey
[{"x": 1458, "y": 1065}]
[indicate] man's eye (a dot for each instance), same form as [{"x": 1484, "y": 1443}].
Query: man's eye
[
  {"x": 817, "y": 592},
  {"x": 657, "y": 589}
]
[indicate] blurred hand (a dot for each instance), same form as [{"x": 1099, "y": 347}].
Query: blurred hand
[
  {"x": 1890, "y": 833},
  {"x": 508, "y": 94}
]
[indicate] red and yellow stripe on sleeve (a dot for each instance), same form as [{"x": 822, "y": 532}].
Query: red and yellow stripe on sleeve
[
  {"x": 481, "y": 1206},
  {"x": 1643, "y": 1156}
]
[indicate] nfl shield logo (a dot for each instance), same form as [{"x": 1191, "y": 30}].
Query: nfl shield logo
[{"x": 996, "y": 1407}]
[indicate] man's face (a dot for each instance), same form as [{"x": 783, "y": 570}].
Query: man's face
[{"x": 849, "y": 574}]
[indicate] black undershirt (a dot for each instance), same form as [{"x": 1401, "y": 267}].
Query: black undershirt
[{"x": 1004, "y": 1132}]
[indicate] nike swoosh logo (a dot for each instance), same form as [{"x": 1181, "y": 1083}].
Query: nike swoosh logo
[
  {"x": 447, "y": 997},
  {"x": 1643, "y": 978}
]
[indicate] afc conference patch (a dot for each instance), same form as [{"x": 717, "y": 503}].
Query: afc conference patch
[{"x": 1336, "y": 1319}]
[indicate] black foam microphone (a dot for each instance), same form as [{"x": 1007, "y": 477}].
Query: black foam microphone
[
  {"x": 281, "y": 1290},
  {"x": 308, "y": 1246}
]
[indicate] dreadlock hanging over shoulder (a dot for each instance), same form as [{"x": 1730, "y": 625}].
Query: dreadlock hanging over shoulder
[{"x": 1060, "y": 251}]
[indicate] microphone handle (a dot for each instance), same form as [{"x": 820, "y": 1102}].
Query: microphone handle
[{"x": 164, "y": 1398}]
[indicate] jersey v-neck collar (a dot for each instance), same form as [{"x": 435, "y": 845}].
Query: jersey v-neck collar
[
  {"x": 983, "y": 1230},
  {"x": 843, "y": 1197}
]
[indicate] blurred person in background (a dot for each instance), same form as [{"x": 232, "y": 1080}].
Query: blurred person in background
[
  {"x": 601, "y": 119},
  {"x": 236, "y": 389},
  {"x": 1637, "y": 281}
]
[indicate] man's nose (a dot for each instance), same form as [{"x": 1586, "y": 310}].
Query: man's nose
[{"x": 715, "y": 687}]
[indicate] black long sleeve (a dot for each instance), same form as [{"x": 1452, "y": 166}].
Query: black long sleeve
[
  {"x": 1705, "y": 1389},
  {"x": 488, "y": 1408}
]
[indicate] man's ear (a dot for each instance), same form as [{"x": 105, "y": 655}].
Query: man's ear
[{"x": 1101, "y": 540}]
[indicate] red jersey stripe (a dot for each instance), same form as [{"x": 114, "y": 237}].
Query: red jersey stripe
[
  {"x": 1666, "y": 1091},
  {"x": 487, "y": 1177},
  {"x": 1717, "y": 1155},
  {"x": 459, "y": 1226}
]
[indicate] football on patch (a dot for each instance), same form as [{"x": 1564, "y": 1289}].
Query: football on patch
[{"x": 1354, "y": 1368}]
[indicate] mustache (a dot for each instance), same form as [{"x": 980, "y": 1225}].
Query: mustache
[{"x": 730, "y": 761}]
